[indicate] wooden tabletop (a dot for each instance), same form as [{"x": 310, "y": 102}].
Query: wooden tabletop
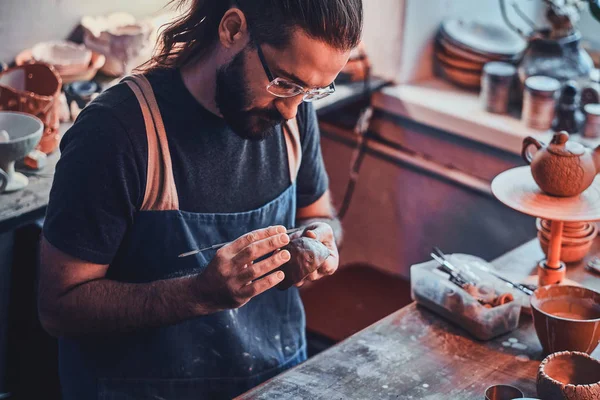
[{"x": 414, "y": 354}]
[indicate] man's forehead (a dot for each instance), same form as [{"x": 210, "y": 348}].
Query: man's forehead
[{"x": 309, "y": 62}]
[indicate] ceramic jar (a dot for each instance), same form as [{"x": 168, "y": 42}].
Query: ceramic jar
[{"x": 34, "y": 89}]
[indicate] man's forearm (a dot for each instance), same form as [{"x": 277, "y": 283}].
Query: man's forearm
[{"x": 106, "y": 306}]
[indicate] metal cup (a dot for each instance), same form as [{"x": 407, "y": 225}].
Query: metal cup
[{"x": 503, "y": 392}]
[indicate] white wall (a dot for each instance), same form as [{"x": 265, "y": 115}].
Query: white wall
[
  {"x": 23, "y": 23},
  {"x": 383, "y": 35},
  {"x": 398, "y": 33}
]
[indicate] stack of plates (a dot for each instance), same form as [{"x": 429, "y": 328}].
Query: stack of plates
[{"x": 462, "y": 49}]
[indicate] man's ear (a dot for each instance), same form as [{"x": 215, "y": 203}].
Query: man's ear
[{"x": 233, "y": 29}]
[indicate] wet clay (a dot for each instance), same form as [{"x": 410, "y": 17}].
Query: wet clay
[
  {"x": 307, "y": 256},
  {"x": 566, "y": 318},
  {"x": 569, "y": 375},
  {"x": 565, "y": 307}
]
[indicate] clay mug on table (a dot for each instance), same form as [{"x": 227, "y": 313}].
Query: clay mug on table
[
  {"x": 566, "y": 318},
  {"x": 562, "y": 168}
]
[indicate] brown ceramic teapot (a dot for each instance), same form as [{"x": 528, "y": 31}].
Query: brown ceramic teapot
[{"x": 563, "y": 168}]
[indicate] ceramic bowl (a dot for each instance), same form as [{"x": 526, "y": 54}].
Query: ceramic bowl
[
  {"x": 569, "y": 253},
  {"x": 566, "y": 318},
  {"x": 502, "y": 392},
  {"x": 96, "y": 62},
  {"x": 24, "y": 132},
  {"x": 572, "y": 234},
  {"x": 67, "y": 57},
  {"x": 569, "y": 376},
  {"x": 567, "y": 227},
  {"x": 463, "y": 78}
]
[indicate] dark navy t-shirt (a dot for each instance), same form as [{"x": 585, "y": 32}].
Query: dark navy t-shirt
[{"x": 100, "y": 178}]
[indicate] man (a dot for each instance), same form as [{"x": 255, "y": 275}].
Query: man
[{"x": 217, "y": 139}]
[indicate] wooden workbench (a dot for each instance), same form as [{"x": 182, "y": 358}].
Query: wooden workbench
[{"x": 414, "y": 354}]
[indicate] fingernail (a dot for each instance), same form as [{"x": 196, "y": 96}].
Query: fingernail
[
  {"x": 285, "y": 239},
  {"x": 280, "y": 275},
  {"x": 285, "y": 255},
  {"x": 281, "y": 229}
]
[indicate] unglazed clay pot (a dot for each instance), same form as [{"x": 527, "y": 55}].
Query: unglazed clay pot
[
  {"x": 566, "y": 318},
  {"x": 34, "y": 89},
  {"x": 563, "y": 168},
  {"x": 569, "y": 376}
]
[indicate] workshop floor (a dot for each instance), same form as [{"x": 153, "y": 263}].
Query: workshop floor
[{"x": 349, "y": 301}]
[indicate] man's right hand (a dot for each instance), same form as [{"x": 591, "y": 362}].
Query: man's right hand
[{"x": 232, "y": 278}]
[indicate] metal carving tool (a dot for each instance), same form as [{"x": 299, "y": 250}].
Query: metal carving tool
[{"x": 218, "y": 246}]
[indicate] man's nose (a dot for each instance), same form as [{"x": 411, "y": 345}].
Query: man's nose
[{"x": 288, "y": 108}]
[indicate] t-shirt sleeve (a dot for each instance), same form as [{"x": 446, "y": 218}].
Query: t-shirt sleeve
[
  {"x": 312, "y": 179},
  {"x": 96, "y": 188}
]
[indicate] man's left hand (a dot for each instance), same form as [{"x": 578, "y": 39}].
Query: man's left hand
[{"x": 322, "y": 232}]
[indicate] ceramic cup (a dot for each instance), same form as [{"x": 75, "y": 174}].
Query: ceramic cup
[
  {"x": 566, "y": 318},
  {"x": 503, "y": 392},
  {"x": 569, "y": 376}
]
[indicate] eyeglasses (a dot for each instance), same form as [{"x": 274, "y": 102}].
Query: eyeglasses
[{"x": 285, "y": 88}]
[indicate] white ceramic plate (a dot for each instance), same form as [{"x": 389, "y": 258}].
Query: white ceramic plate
[{"x": 487, "y": 39}]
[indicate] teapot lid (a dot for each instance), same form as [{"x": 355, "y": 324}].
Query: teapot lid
[{"x": 562, "y": 146}]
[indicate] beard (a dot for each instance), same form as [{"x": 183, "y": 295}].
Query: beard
[{"x": 234, "y": 100}]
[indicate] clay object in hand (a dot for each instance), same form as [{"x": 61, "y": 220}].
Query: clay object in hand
[{"x": 307, "y": 256}]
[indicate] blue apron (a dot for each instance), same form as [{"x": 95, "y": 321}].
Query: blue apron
[{"x": 211, "y": 357}]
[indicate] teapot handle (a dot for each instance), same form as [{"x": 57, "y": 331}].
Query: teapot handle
[
  {"x": 525, "y": 153},
  {"x": 3, "y": 180}
]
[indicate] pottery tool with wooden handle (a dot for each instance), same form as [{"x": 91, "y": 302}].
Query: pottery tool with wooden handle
[{"x": 218, "y": 246}]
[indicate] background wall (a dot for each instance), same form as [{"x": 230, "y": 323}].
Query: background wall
[
  {"x": 398, "y": 33},
  {"x": 23, "y": 23}
]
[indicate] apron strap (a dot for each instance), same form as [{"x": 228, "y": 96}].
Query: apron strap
[
  {"x": 161, "y": 193},
  {"x": 293, "y": 146}
]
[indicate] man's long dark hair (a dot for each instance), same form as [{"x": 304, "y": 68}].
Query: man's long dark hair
[{"x": 337, "y": 23}]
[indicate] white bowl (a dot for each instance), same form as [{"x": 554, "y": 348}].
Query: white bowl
[{"x": 24, "y": 133}]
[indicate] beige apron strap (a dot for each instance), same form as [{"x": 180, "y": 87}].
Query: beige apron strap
[
  {"x": 161, "y": 193},
  {"x": 294, "y": 149}
]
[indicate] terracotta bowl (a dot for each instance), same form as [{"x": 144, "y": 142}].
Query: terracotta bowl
[
  {"x": 566, "y": 318},
  {"x": 569, "y": 253},
  {"x": 588, "y": 232},
  {"x": 97, "y": 61},
  {"x": 567, "y": 227},
  {"x": 569, "y": 376}
]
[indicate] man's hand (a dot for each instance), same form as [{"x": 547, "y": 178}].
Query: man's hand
[
  {"x": 76, "y": 298},
  {"x": 232, "y": 278},
  {"x": 322, "y": 232}
]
